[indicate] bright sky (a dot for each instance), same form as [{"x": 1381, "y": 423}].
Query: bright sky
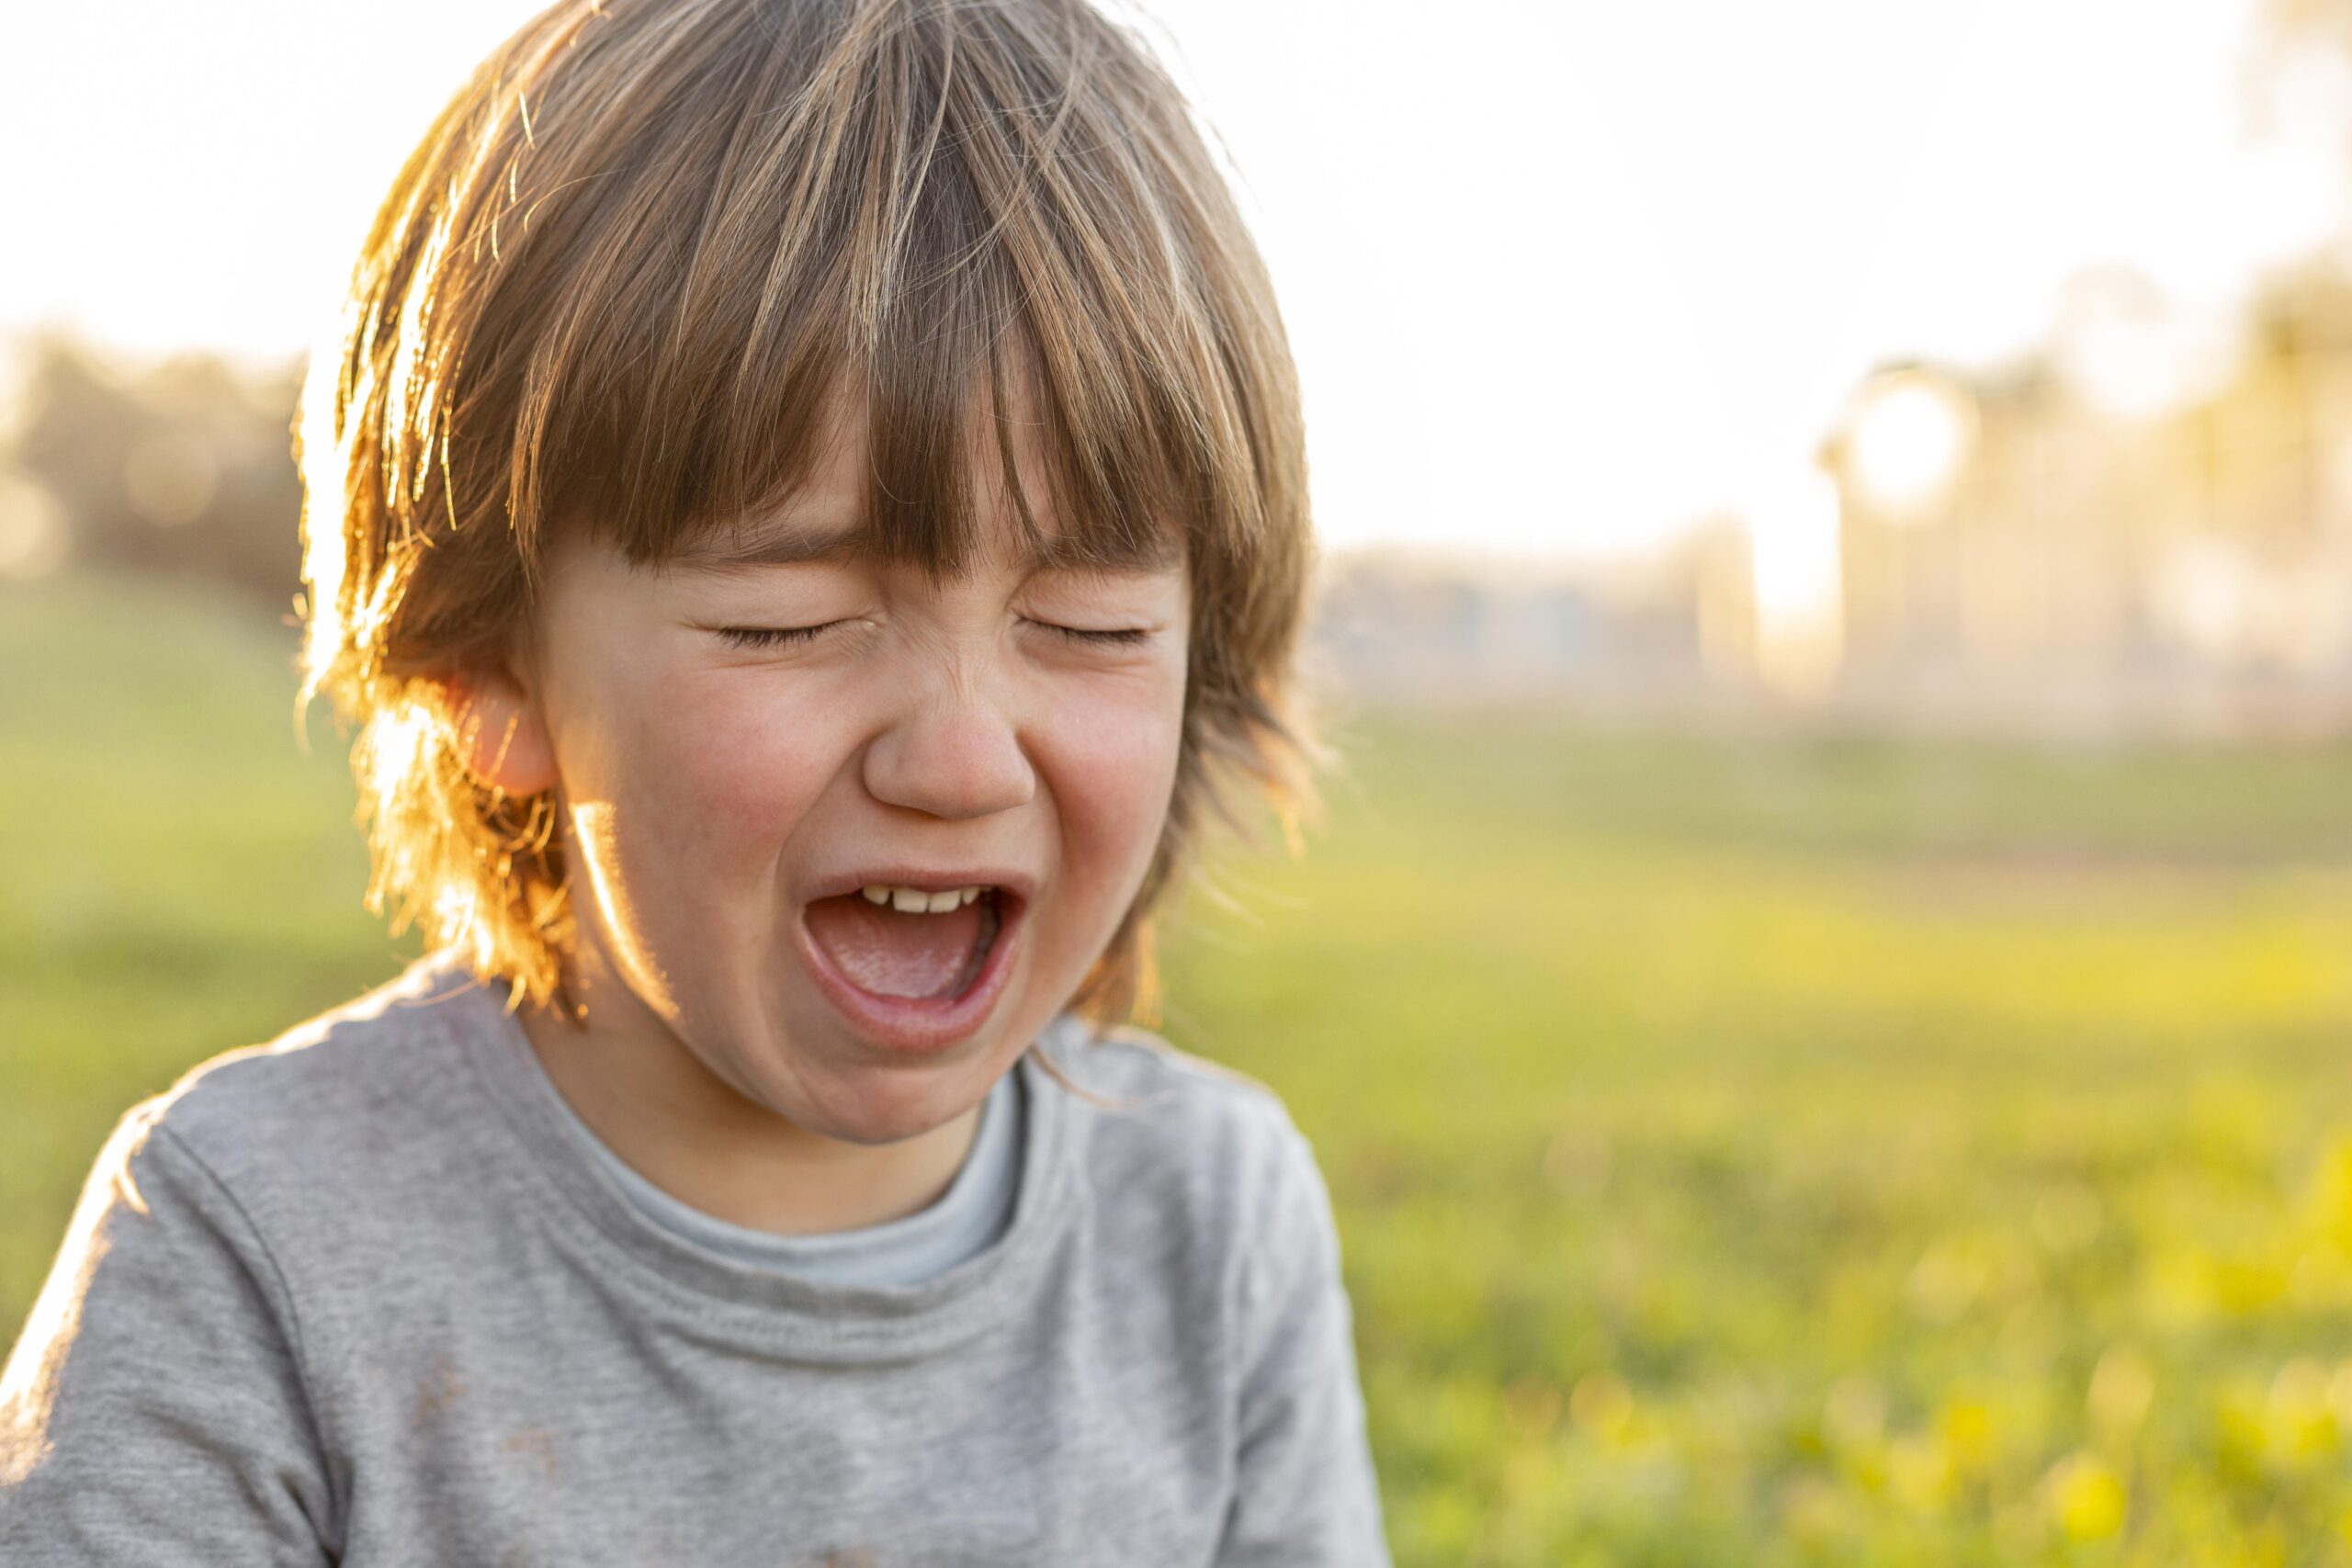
[{"x": 1559, "y": 276}]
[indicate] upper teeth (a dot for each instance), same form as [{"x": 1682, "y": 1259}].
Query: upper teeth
[{"x": 915, "y": 901}]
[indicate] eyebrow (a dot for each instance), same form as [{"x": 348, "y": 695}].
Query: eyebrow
[{"x": 790, "y": 544}]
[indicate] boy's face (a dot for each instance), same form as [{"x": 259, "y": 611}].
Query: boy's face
[{"x": 716, "y": 787}]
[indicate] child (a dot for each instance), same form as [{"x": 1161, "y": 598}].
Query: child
[{"x": 809, "y": 512}]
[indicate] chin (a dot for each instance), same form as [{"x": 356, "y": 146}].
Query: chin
[{"x": 884, "y": 1104}]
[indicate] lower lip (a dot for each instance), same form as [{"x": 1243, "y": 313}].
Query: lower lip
[{"x": 917, "y": 1025}]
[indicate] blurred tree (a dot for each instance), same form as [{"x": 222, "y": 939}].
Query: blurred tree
[{"x": 183, "y": 468}]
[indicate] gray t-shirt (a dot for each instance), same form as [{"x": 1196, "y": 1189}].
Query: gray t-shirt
[{"x": 358, "y": 1297}]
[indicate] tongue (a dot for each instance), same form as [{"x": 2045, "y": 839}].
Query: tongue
[{"x": 895, "y": 954}]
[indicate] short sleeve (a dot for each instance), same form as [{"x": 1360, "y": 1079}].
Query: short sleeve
[
  {"x": 153, "y": 1410},
  {"x": 1306, "y": 1493}
]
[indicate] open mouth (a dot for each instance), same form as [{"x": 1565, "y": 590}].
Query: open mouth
[
  {"x": 907, "y": 976},
  {"x": 905, "y": 947}
]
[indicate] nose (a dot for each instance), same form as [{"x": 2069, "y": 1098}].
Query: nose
[{"x": 951, "y": 754}]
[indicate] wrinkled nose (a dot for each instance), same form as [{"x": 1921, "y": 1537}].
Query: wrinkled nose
[{"x": 951, "y": 758}]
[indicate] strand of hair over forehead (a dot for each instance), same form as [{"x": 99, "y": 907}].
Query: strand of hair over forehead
[
  {"x": 1032, "y": 277},
  {"x": 932, "y": 217}
]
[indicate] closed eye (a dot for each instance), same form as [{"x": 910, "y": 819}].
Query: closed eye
[
  {"x": 771, "y": 637},
  {"x": 781, "y": 636},
  {"x": 1124, "y": 635}
]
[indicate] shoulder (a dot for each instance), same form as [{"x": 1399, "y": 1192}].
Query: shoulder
[
  {"x": 1181, "y": 1129},
  {"x": 336, "y": 1098},
  {"x": 1133, "y": 1061},
  {"x": 1144, "y": 1082}
]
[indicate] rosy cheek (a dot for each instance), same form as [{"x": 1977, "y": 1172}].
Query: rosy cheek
[
  {"x": 762, "y": 755},
  {"x": 1119, "y": 760},
  {"x": 736, "y": 762}
]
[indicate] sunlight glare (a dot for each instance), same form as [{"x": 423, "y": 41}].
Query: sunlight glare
[
  {"x": 1910, "y": 435},
  {"x": 1792, "y": 528},
  {"x": 2132, "y": 354}
]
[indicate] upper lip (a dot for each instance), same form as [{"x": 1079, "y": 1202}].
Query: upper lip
[{"x": 931, "y": 879}]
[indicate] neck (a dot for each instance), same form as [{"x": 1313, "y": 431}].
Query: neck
[{"x": 651, "y": 1101}]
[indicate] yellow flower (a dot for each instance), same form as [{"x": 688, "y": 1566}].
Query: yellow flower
[{"x": 2085, "y": 1497}]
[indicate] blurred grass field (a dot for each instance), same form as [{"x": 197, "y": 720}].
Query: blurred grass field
[{"x": 1747, "y": 1150}]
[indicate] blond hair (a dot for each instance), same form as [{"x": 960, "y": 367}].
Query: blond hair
[{"x": 614, "y": 289}]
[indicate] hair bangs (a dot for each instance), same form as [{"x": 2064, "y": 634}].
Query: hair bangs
[{"x": 936, "y": 229}]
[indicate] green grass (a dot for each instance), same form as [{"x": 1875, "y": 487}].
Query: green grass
[
  {"x": 1746, "y": 1149},
  {"x": 175, "y": 877},
  {"x": 1752, "y": 1151}
]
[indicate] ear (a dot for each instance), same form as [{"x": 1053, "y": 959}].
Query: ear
[{"x": 499, "y": 733}]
